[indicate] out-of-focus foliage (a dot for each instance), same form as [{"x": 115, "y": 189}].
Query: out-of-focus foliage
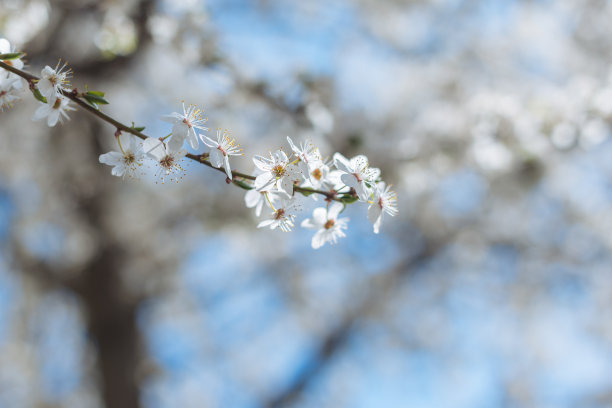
[{"x": 491, "y": 288}]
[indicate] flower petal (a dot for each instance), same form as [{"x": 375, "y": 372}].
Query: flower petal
[
  {"x": 216, "y": 158},
  {"x": 180, "y": 130},
  {"x": 308, "y": 223},
  {"x": 286, "y": 185},
  {"x": 293, "y": 147},
  {"x": 172, "y": 118},
  {"x": 41, "y": 112},
  {"x": 374, "y": 213},
  {"x": 261, "y": 163},
  {"x": 193, "y": 139},
  {"x": 334, "y": 210},
  {"x": 342, "y": 163},
  {"x": 208, "y": 141},
  {"x": 154, "y": 148},
  {"x": 363, "y": 192},
  {"x": 349, "y": 180},
  {"x": 281, "y": 156},
  {"x": 5, "y": 46},
  {"x": 119, "y": 170},
  {"x": 252, "y": 198},
  {"x": 53, "y": 117},
  {"x": 359, "y": 163},
  {"x": 318, "y": 240},
  {"x": 319, "y": 216},
  {"x": 228, "y": 169},
  {"x": 264, "y": 180},
  {"x": 259, "y": 207},
  {"x": 175, "y": 143},
  {"x": 111, "y": 158},
  {"x": 265, "y": 223}
]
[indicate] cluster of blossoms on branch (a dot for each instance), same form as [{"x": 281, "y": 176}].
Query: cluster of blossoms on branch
[
  {"x": 281, "y": 182},
  {"x": 11, "y": 85}
]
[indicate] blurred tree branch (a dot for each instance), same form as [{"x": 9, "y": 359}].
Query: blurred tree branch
[{"x": 334, "y": 342}]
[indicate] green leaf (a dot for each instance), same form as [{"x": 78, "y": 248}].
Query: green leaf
[
  {"x": 137, "y": 128},
  {"x": 38, "y": 95},
  {"x": 242, "y": 184},
  {"x": 95, "y": 99},
  {"x": 91, "y": 102},
  {"x": 11, "y": 56},
  {"x": 96, "y": 93},
  {"x": 306, "y": 193},
  {"x": 348, "y": 199}
]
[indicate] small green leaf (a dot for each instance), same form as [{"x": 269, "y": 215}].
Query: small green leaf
[
  {"x": 96, "y": 93},
  {"x": 137, "y": 128},
  {"x": 91, "y": 102},
  {"x": 348, "y": 199},
  {"x": 306, "y": 193},
  {"x": 38, "y": 95},
  {"x": 95, "y": 99},
  {"x": 11, "y": 56},
  {"x": 242, "y": 184}
]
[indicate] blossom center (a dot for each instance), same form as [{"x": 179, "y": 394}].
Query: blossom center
[
  {"x": 222, "y": 151},
  {"x": 278, "y": 170},
  {"x": 381, "y": 203},
  {"x": 329, "y": 224},
  {"x": 188, "y": 123},
  {"x": 317, "y": 174},
  {"x": 57, "y": 103},
  {"x": 2, "y": 93},
  {"x": 359, "y": 180},
  {"x": 280, "y": 213},
  {"x": 129, "y": 158},
  {"x": 167, "y": 162}
]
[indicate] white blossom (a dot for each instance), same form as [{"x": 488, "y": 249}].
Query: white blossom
[
  {"x": 318, "y": 173},
  {"x": 277, "y": 171},
  {"x": 55, "y": 109},
  {"x": 357, "y": 174},
  {"x": 384, "y": 200},
  {"x": 257, "y": 199},
  {"x": 221, "y": 149},
  {"x": 306, "y": 153},
  {"x": 128, "y": 159},
  {"x": 8, "y": 92},
  {"x": 283, "y": 216},
  {"x": 329, "y": 227},
  {"x": 318, "y": 178},
  {"x": 167, "y": 158},
  {"x": 184, "y": 126},
  {"x": 54, "y": 81},
  {"x": 6, "y": 48}
]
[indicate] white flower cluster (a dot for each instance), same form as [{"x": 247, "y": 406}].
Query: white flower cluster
[
  {"x": 11, "y": 85},
  {"x": 280, "y": 176},
  {"x": 280, "y": 183},
  {"x": 51, "y": 85},
  {"x": 167, "y": 152}
]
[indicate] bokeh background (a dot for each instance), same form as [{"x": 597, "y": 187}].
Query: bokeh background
[{"x": 492, "y": 288}]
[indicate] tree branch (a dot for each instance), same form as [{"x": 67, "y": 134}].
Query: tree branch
[
  {"x": 201, "y": 158},
  {"x": 336, "y": 339}
]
